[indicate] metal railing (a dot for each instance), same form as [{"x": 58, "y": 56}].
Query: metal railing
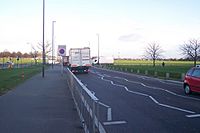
[{"x": 87, "y": 104}]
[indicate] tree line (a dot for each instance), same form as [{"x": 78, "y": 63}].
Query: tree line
[
  {"x": 35, "y": 52},
  {"x": 16, "y": 54},
  {"x": 190, "y": 50}
]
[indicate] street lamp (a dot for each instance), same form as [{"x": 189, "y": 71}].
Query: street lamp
[
  {"x": 43, "y": 49},
  {"x": 52, "y": 41},
  {"x": 98, "y": 49}
]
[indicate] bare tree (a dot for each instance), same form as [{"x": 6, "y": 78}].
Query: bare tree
[
  {"x": 153, "y": 52},
  {"x": 47, "y": 46},
  {"x": 34, "y": 54},
  {"x": 38, "y": 50},
  {"x": 191, "y": 49}
]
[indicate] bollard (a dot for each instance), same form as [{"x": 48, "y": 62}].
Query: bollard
[
  {"x": 146, "y": 72},
  {"x": 167, "y": 75},
  {"x": 131, "y": 70},
  {"x": 182, "y": 76},
  {"x": 155, "y": 74},
  {"x": 138, "y": 71}
]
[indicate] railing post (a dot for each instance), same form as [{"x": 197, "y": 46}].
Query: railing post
[{"x": 93, "y": 116}]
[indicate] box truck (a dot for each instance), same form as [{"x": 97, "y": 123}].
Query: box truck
[{"x": 79, "y": 59}]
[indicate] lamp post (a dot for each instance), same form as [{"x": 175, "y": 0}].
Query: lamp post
[
  {"x": 52, "y": 42},
  {"x": 43, "y": 49},
  {"x": 98, "y": 49}
]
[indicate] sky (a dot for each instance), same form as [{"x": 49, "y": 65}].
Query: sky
[{"x": 125, "y": 27}]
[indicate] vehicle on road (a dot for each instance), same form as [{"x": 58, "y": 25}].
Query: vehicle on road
[
  {"x": 79, "y": 60},
  {"x": 65, "y": 60},
  {"x": 103, "y": 60},
  {"x": 192, "y": 80}
]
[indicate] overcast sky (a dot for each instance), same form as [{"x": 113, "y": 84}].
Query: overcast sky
[{"x": 125, "y": 26}]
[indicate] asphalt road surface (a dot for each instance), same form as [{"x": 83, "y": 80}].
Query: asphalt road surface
[{"x": 139, "y": 104}]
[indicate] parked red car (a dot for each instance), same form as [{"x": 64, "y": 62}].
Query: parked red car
[{"x": 192, "y": 80}]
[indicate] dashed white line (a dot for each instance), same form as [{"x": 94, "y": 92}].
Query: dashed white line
[
  {"x": 157, "y": 88},
  {"x": 114, "y": 122},
  {"x": 193, "y": 116},
  {"x": 176, "y": 108},
  {"x": 104, "y": 105},
  {"x": 146, "y": 95},
  {"x": 155, "y": 101}
]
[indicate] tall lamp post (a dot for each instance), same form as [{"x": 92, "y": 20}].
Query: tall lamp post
[
  {"x": 98, "y": 48},
  {"x": 52, "y": 42},
  {"x": 43, "y": 49}
]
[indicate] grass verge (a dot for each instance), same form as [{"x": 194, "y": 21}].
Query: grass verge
[{"x": 9, "y": 78}]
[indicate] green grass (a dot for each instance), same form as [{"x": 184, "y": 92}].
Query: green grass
[
  {"x": 158, "y": 63},
  {"x": 20, "y": 61},
  {"x": 9, "y": 78},
  {"x": 144, "y": 67}
]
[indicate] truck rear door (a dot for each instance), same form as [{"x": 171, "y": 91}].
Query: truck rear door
[
  {"x": 85, "y": 56},
  {"x": 75, "y": 60}
]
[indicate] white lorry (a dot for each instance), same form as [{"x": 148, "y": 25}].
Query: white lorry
[{"x": 79, "y": 59}]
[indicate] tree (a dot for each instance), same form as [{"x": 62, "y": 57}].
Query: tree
[
  {"x": 19, "y": 54},
  {"x": 34, "y": 54},
  {"x": 153, "y": 52},
  {"x": 191, "y": 49},
  {"x": 47, "y": 46},
  {"x": 14, "y": 55},
  {"x": 25, "y": 55}
]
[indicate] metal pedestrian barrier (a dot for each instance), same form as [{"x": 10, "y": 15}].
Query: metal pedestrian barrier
[{"x": 87, "y": 104}]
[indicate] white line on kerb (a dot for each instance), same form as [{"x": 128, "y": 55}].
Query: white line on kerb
[
  {"x": 193, "y": 116},
  {"x": 114, "y": 122}
]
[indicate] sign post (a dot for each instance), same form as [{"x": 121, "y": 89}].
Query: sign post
[{"x": 61, "y": 52}]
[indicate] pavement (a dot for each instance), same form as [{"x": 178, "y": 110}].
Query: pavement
[{"x": 40, "y": 105}]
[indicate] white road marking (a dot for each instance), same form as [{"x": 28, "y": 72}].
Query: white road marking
[
  {"x": 109, "y": 111},
  {"x": 176, "y": 108},
  {"x": 109, "y": 114},
  {"x": 140, "y": 76},
  {"x": 146, "y": 95},
  {"x": 154, "y": 100},
  {"x": 114, "y": 122},
  {"x": 104, "y": 105},
  {"x": 193, "y": 116},
  {"x": 157, "y": 88}
]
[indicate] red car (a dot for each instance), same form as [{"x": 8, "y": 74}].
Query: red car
[{"x": 192, "y": 80}]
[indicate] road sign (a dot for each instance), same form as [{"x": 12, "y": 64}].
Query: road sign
[{"x": 61, "y": 50}]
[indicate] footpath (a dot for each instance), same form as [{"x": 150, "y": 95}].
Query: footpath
[{"x": 40, "y": 105}]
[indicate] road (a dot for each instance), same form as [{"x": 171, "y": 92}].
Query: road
[{"x": 139, "y": 104}]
